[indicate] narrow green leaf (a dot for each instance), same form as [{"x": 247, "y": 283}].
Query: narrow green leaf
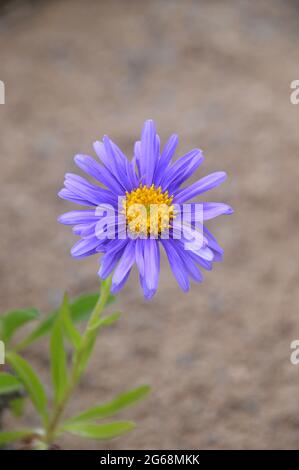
[
  {"x": 82, "y": 307},
  {"x": 71, "y": 332},
  {"x": 58, "y": 356},
  {"x": 111, "y": 408},
  {"x": 80, "y": 310},
  {"x": 85, "y": 353},
  {"x": 99, "y": 431},
  {"x": 15, "y": 319},
  {"x": 41, "y": 330},
  {"x": 31, "y": 383},
  {"x": 92, "y": 336},
  {"x": 9, "y": 383},
  {"x": 7, "y": 437},
  {"x": 106, "y": 321},
  {"x": 17, "y": 407}
]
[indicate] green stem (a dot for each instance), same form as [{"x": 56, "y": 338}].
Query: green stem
[{"x": 88, "y": 337}]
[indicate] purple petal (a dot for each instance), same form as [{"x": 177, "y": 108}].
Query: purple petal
[
  {"x": 196, "y": 257},
  {"x": 100, "y": 150},
  {"x": 117, "y": 162},
  {"x": 157, "y": 146},
  {"x": 214, "y": 209},
  {"x": 131, "y": 173},
  {"x": 151, "y": 263},
  {"x": 166, "y": 156},
  {"x": 84, "y": 230},
  {"x": 182, "y": 169},
  {"x": 125, "y": 264},
  {"x": 78, "y": 217},
  {"x": 176, "y": 265},
  {"x": 114, "y": 246},
  {"x": 84, "y": 246},
  {"x": 185, "y": 174},
  {"x": 201, "y": 186},
  {"x": 137, "y": 155},
  {"x": 208, "y": 265},
  {"x": 148, "y": 294},
  {"x": 85, "y": 190},
  {"x": 111, "y": 257},
  {"x": 188, "y": 263},
  {"x": 118, "y": 287},
  {"x": 213, "y": 244},
  {"x": 148, "y": 151},
  {"x": 205, "y": 253},
  {"x": 70, "y": 196},
  {"x": 99, "y": 172},
  {"x": 139, "y": 254}
]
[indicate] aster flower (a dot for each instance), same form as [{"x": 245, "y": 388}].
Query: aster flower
[{"x": 150, "y": 180}]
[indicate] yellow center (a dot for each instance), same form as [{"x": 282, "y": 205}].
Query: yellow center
[{"x": 148, "y": 210}]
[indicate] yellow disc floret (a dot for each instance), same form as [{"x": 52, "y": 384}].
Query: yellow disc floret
[{"x": 148, "y": 210}]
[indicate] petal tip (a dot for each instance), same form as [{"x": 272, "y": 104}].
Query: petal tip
[{"x": 61, "y": 193}]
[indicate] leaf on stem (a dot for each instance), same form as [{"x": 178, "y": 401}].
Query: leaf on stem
[
  {"x": 15, "y": 319},
  {"x": 9, "y": 383},
  {"x": 99, "y": 431},
  {"x": 106, "y": 321},
  {"x": 17, "y": 406},
  {"x": 114, "y": 406},
  {"x": 71, "y": 332},
  {"x": 7, "y": 437},
  {"x": 31, "y": 382},
  {"x": 58, "y": 356},
  {"x": 80, "y": 309}
]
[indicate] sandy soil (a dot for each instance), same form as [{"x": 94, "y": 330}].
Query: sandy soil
[{"x": 219, "y": 74}]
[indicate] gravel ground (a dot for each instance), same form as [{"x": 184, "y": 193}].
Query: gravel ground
[{"x": 218, "y": 73}]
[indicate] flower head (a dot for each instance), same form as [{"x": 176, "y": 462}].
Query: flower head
[{"x": 141, "y": 207}]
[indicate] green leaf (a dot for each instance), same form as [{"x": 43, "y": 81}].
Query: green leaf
[
  {"x": 87, "y": 346},
  {"x": 71, "y": 332},
  {"x": 111, "y": 408},
  {"x": 9, "y": 383},
  {"x": 42, "y": 329},
  {"x": 82, "y": 307},
  {"x": 12, "y": 436},
  {"x": 80, "y": 310},
  {"x": 17, "y": 406},
  {"x": 15, "y": 319},
  {"x": 58, "y": 356},
  {"x": 85, "y": 354},
  {"x": 99, "y": 431},
  {"x": 92, "y": 336},
  {"x": 106, "y": 321},
  {"x": 31, "y": 383}
]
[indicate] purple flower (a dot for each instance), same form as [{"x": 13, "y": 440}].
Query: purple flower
[{"x": 124, "y": 205}]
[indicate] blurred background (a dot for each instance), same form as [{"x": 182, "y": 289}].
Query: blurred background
[{"x": 218, "y": 74}]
